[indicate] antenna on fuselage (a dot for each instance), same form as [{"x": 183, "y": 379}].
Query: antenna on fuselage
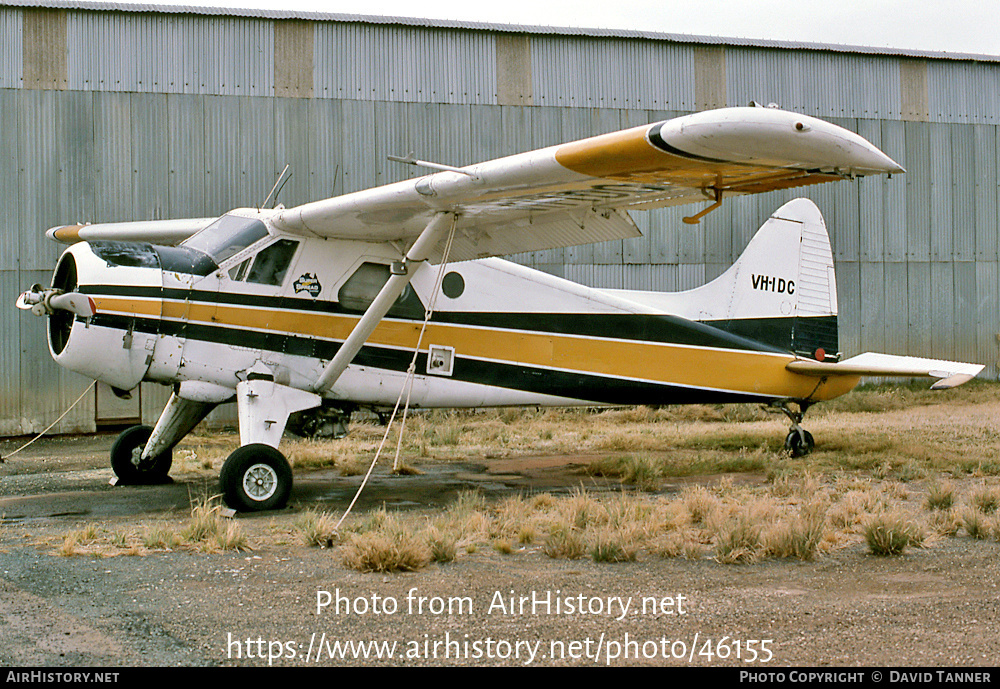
[{"x": 276, "y": 187}]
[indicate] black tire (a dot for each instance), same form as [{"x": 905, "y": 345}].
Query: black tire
[
  {"x": 256, "y": 477},
  {"x": 799, "y": 445},
  {"x": 125, "y": 459}
]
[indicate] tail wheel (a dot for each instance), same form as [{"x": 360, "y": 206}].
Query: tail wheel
[
  {"x": 256, "y": 477},
  {"x": 127, "y": 462},
  {"x": 799, "y": 442}
]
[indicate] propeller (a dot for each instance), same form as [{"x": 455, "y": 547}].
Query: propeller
[{"x": 43, "y": 301}]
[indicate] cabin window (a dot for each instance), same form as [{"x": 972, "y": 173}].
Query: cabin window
[
  {"x": 271, "y": 264},
  {"x": 227, "y": 236},
  {"x": 360, "y": 290},
  {"x": 239, "y": 271}
]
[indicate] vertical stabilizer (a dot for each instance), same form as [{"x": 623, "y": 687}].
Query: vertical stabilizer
[{"x": 782, "y": 290}]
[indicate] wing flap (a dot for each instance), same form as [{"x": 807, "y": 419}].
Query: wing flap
[{"x": 546, "y": 231}]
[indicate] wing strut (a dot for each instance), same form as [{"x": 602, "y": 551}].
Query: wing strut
[{"x": 415, "y": 260}]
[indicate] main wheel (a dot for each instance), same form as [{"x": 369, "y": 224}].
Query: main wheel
[
  {"x": 799, "y": 444},
  {"x": 127, "y": 462},
  {"x": 256, "y": 477}
]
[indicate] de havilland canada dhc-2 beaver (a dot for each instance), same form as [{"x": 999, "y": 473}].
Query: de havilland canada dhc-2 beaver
[{"x": 303, "y": 314}]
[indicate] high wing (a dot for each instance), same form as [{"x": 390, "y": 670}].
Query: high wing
[
  {"x": 574, "y": 193},
  {"x": 577, "y": 193}
]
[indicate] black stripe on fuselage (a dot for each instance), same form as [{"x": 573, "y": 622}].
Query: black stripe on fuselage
[
  {"x": 657, "y": 328},
  {"x": 571, "y": 385}
]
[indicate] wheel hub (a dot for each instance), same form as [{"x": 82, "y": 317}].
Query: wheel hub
[{"x": 260, "y": 482}]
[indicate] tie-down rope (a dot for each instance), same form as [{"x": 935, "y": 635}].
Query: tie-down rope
[{"x": 408, "y": 382}]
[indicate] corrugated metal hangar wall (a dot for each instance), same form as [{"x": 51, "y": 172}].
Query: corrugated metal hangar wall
[{"x": 118, "y": 115}]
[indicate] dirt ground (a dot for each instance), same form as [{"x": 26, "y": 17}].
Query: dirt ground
[{"x": 283, "y": 603}]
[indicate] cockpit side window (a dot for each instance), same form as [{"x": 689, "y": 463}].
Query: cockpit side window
[
  {"x": 271, "y": 264},
  {"x": 227, "y": 236},
  {"x": 360, "y": 290}
]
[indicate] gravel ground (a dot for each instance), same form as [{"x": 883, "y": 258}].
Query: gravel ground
[{"x": 936, "y": 606}]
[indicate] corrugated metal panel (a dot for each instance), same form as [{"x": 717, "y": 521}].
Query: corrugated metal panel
[
  {"x": 10, "y": 348},
  {"x": 56, "y": 152},
  {"x": 110, "y": 51},
  {"x": 942, "y": 186},
  {"x": 872, "y": 316},
  {"x": 966, "y": 311},
  {"x": 918, "y": 191},
  {"x": 47, "y": 389},
  {"x": 985, "y": 199},
  {"x": 965, "y": 92},
  {"x": 821, "y": 84},
  {"x": 871, "y": 206},
  {"x": 987, "y": 315},
  {"x": 894, "y": 209},
  {"x": 919, "y": 297},
  {"x": 327, "y": 141},
  {"x": 186, "y": 150},
  {"x": 11, "y": 48},
  {"x": 849, "y": 307},
  {"x": 292, "y": 147},
  {"x": 269, "y": 13},
  {"x": 394, "y": 63},
  {"x": 359, "y": 145},
  {"x": 586, "y": 72},
  {"x": 963, "y": 193},
  {"x": 896, "y": 309},
  {"x": 942, "y": 309},
  {"x": 10, "y": 237},
  {"x": 150, "y": 163},
  {"x": 256, "y": 144},
  {"x": 113, "y": 171}
]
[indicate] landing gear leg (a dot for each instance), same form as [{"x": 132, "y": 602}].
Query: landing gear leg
[
  {"x": 257, "y": 476},
  {"x": 799, "y": 442}
]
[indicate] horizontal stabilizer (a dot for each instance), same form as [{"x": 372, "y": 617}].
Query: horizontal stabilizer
[{"x": 950, "y": 373}]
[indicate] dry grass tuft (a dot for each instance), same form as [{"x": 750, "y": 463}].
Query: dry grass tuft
[
  {"x": 940, "y": 496},
  {"x": 316, "y": 529},
  {"x": 890, "y": 532},
  {"x": 381, "y": 551}
]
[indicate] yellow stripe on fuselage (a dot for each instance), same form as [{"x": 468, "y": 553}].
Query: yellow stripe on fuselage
[{"x": 758, "y": 373}]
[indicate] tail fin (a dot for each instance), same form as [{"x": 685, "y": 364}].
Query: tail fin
[{"x": 781, "y": 291}]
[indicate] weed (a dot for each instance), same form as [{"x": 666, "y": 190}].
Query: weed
[
  {"x": 739, "y": 540},
  {"x": 890, "y": 532},
  {"x": 386, "y": 552},
  {"x": 443, "y": 548},
  {"x": 563, "y": 542},
  {"x": 612, "y": 545},
  {"x": 940, "y": 496},
  {"x": 160, "y": 538},
  {"x": 317, "y": 529},
  {"x": 985, "y": 498}
]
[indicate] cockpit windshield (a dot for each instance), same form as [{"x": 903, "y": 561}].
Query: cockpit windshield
[{"x": 227, "y": 236}]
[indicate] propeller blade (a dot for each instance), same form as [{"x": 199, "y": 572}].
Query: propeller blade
[
  {"x": 80, "y": 304},
  {"x": 41, "y": 301}
]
